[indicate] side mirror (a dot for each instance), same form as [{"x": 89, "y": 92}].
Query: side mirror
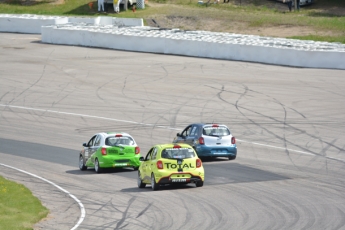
[
  {"x": 141, "y": 159},
  {"x": 84, "y": 144},
  {"x": 178, "y": 134}
]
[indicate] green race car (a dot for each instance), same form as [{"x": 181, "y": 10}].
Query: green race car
[{"x": 110, "y": 150}]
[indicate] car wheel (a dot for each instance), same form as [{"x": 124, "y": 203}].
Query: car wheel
[
  {"x": 232, "y": 157},
  {"x": 97, "y": 168},
  {"x": 81, "y": 163},
  {"x": 154, "y": 185},
  {"x": 140, "y": 182},
  {"x": 199, "y": 183},
  {"x": 135, "y": 168}
]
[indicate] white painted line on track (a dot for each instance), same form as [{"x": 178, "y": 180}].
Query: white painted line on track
[
  {"x": 140, "y": 123},
  {"x": 84, "y": 115},
  {"x": 82, "y": 209},
  {"x": 333, "y": 158},
  {"x": 30, "y": 38},
  {"x": 276, "y": 147}
]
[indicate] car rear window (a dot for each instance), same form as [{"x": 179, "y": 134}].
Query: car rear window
[
  {"x": 215, "y": 131},
  {"x": 178, "y": 153},
  {"x": 114, "y": 141}
]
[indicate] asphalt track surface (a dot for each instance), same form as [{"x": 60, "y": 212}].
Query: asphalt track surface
[{"x": 289, "y": 124}]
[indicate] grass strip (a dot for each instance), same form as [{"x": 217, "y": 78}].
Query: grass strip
[{"x": 19, "y": 209}]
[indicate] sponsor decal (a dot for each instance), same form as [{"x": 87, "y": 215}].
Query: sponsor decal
[
  {"x": 177, "y": 149},
  {"x": 113, "y": 151},
  {"x": 180, "y": 166}
]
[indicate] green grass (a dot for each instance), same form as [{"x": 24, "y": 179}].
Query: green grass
[
  {"x": 70, "y": 7},
  {"x": 257, "y": 14},
  {"x": 339, "y": 39},
  {"x": 19, "y": 209}
]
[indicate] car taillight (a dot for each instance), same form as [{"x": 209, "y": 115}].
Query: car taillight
[
  {"x": 159, "y": 164},
  {"x": 215, "y": 126},
  {"x": 198, "y": 163},
  {"x": 233, "y": 140},
  {"x": 104, "y": 151},
  {"x": 118, "y": 135},
  {"x": 137, "y": 150},
  {"x": 176, "y": 147},
  {"x": 201, "y": 141}
]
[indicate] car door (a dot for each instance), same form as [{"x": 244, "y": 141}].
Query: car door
[
  {"x": 87, "y": 152},
  {"x": 146, "y": 167},
  {"x": 181, "y": 138},
  {"x": 192, "y": 135},
  {"x": 93, "y": 149},
  {"x": 93, "y": 145}
]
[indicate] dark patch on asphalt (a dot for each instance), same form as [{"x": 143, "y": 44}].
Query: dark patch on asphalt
[{"x": 42, "y": 152}]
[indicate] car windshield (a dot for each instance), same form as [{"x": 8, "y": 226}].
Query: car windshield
[
  {"x": 113, "y": 141},
  {"x": 178, "y": 153},
  {"x": 215, "y": 131}
]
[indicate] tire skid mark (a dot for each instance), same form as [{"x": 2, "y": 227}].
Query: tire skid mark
[
  {"x": 38, "y": 80},
  {"x": 206, "y": 102},
  {"x": 99, "y": 88},
  {"x": 144, "y": 210},
  {"x": 290, "y": 126},
  {"x": 284, "y": 131},
  {"x": 4, "y": 95},
  {"x": 125, "y": 214},
  {"x": 172, "y": 120},
  {"x": 317, "y": 132},
  {"x": 323, "y": 88},
  {"x": 146, "y": 92},
  {"x": 215, "y": 216},
  {"x": 257, "y": 202}
]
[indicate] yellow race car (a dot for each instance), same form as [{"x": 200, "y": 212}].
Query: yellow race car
[{"x": 170, "y": 164}]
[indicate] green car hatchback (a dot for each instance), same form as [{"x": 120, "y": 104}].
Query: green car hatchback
[{"x": 110, "y": 150}]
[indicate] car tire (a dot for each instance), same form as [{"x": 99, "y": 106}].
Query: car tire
[
  {"x": 97, "y": 168},
  {"x": 154, "y": 185},
  {"x": 199, "y": 183},
  {"x": 82, "y": 166},
  {"x": 135, "y": 168},
  {"x": 140, "y": 182},
  {"x": 232, "y": 157}
]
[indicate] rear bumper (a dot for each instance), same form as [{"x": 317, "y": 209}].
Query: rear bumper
[
  {"x": 113, "y": 162},
  {"x": 168, "y": 180},
  {"x": 215, "y": 151}
]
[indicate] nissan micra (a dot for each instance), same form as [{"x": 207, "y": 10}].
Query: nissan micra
[
  {"x": 170, "y": 164},
  {"x": 110, "y": 150},
  {"x": 209, "y": 140}
]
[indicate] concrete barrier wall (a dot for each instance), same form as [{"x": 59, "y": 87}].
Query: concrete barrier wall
[
  {"x": 77, "y": 20},
  {"x": 31, "y": 24},
  {"x": 202, "y": 44},
  {"x": 114, "y": 33},
  {"x": 128, "y": 22}
]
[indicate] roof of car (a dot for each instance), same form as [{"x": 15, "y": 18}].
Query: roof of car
[
  {"x": 202, "y": 124},
  {"x": 171, "y": 145},
  {"x": 113, "y": 133}
]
